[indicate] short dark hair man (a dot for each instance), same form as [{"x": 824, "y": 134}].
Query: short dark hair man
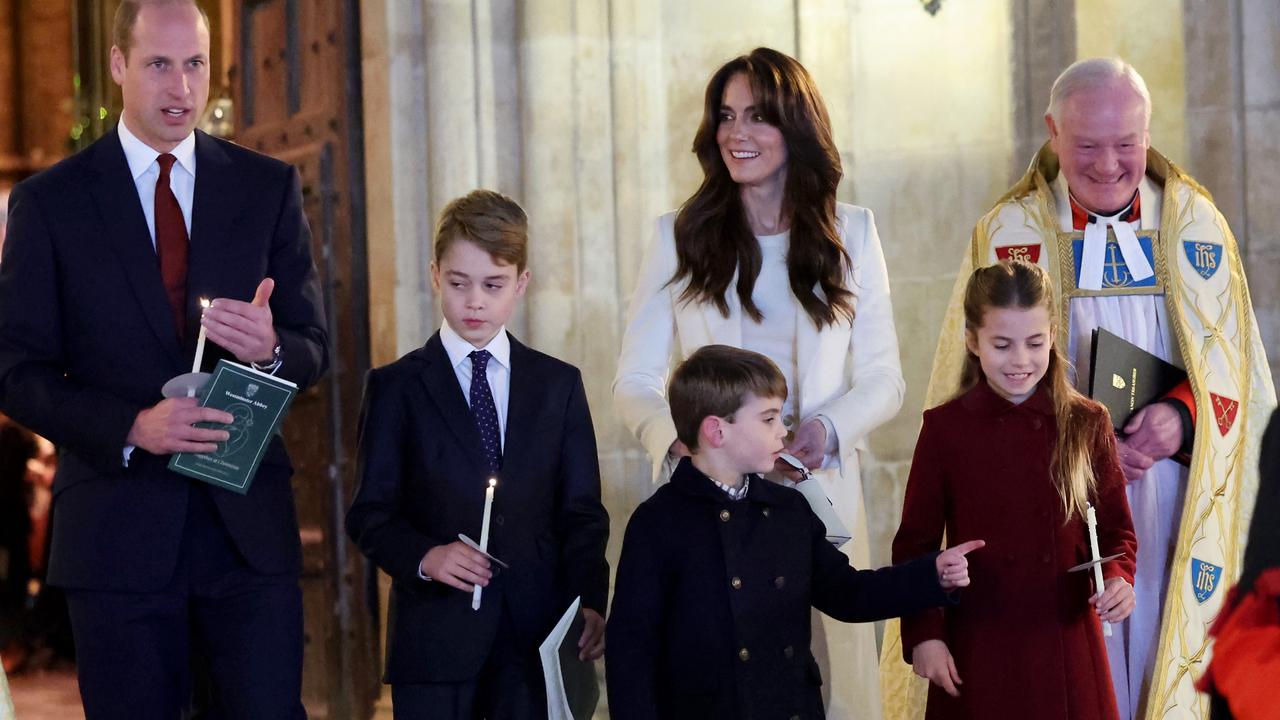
[{"x": 107, "y": 254}]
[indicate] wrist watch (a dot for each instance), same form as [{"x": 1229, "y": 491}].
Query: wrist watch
[{"x": 272, "y": 366}]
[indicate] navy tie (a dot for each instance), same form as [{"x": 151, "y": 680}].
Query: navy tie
[{"x": 484, "y": 410}]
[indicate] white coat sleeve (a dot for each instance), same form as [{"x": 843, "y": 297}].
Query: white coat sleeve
[
  {"x": 876, "y": 385},
  {"x": 640, "y": 387}
]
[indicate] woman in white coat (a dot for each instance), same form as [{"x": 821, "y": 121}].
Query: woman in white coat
[{"x": 763, "y": 257}]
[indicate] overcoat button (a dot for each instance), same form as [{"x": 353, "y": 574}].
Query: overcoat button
[
  {"x": 744, "y": 655},
  {"x": 724, "y": 516},
  {"x": 736, "y": 583},
  {"x": 788, "y": 652},
  {"x": 766, "y": 512},
  {"x": 779, "y": 582}
]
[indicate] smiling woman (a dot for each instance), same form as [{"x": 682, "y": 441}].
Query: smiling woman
[{"x": 762, "y": 257}]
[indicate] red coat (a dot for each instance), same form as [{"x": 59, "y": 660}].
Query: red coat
[{"x": 1026, "y": 641}]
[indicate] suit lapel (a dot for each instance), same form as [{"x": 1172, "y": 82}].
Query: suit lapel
[
  {"x": 116, "y": 196},
  {"x": 215, "y": 208},
  {"x": 522, "y": 405},
  {"x": 442, "y": 386}
]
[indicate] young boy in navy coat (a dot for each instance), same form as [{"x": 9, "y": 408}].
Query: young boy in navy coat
[
  {"x": 471, "y": 404},
  {"x": 720, "y": 567}
]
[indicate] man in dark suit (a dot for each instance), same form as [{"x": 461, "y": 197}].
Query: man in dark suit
[
  {"x": 106, "y": 257},
  {"x": 471, "y": 404}
]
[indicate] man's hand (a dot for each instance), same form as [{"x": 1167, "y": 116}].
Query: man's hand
[
  {"x": 809, "y": 445},
  {"x": 457, "y": 565},
  {"x": 1134, "y": 464},
  {"x": 932, "y": 660},
  {"x": 1116, "y": 601},
  {"x": 1155, "y": 432},
  {"x": 244, "y": 328},
  {"x": 168, "y": 427},
  {"x": 591, "y": 644},
  {"x": 953, "y": 566}
]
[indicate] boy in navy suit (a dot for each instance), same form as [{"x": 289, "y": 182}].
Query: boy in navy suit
[
  {"x": 471, "y": 404},
  {"x": 720, "y": 567}
]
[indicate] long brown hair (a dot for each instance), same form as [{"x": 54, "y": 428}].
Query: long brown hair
[
  {"x": 713, "y": 237},
  {"x": 1023, "y": 285}
]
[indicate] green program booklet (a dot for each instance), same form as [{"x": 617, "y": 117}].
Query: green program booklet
[{"x": 258, "y": 403}]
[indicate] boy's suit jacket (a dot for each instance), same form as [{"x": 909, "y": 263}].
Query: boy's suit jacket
[
  {"x": 422, "y": 480},
  {"x": 87, "y": 339}
]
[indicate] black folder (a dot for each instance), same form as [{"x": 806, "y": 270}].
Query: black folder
[{"x": 1125, "y": 378}]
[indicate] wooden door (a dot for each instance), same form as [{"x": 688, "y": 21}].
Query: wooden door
[{"x": 296, "y": 87}]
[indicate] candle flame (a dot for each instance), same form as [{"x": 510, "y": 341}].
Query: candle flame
[
  {"x": 493, "y": 482},
  {"x": 204, "y": 302}
]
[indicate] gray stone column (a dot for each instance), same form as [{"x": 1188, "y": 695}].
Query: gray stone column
[{"x": 1044, "y": 44}]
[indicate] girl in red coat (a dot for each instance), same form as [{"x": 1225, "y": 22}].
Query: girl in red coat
[{"x": 1015, "y": 458}]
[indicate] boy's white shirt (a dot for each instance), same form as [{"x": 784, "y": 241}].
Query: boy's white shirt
[{"x": 498, "y": 371}]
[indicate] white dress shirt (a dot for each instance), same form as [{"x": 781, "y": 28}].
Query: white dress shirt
[
  {"x": 145, "y": 171},
  {"x": 498, "y": 371}
]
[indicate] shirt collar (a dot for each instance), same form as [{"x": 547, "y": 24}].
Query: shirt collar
[
  {"x": 734, "y": 493},
  {"x": 1081, "y": 217},
  {"x": 142, "y": 156},
  {"x": 689, "y": 480},
  {"x": 458, "y": 349}
]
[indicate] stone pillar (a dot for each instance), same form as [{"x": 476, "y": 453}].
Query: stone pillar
[
  {"x": 1260, "y": 163},
  {"x": 1044, "y": 44}
]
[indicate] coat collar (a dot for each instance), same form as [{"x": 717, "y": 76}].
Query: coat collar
[
  {"x": 441, "y": 382},
  {"x": 215, "y": 208},
  {"x": 116, "y": 197},
  {"x": 688, "y": 480},
  {"x": 982, "y": 399}
]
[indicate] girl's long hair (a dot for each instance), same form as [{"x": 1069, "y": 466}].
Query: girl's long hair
[
  {"x": 1023, "y": 285},
  {"x": 713, "y": 237}
]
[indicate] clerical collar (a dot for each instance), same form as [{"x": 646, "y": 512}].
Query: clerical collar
[{"x": 1080, "y": 217}]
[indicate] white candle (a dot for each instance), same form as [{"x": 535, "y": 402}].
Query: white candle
[
  {"x": 195, "y": 366},
  {"x": 484, "y": 534},
  {"x": 1091, "y": 520}
]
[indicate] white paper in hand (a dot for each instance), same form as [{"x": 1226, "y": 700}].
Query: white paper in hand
[
  {"x": 568, "y": 688},
  {"x": 811, "y": 489}
]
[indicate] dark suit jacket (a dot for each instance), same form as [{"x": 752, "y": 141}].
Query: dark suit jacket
[
  {"x": 422, "y": 480},
  {"x": 87, "y": 340},
  {"x": 711, "y": 608}
]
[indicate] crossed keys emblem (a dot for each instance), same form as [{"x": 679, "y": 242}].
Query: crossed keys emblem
[{"x": 1224, "y": 411}]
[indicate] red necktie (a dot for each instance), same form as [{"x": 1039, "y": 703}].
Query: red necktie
[{"x": 171, "y": 244}]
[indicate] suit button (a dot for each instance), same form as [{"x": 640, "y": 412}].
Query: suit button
[
  {"x": 744, "y": 655},
  {"x": 788, "y": 652},
  {"x": 1035, "y": 423},
  {"x": 766, "y": 512},
  {"x": 498, "y": 519},
  {"x": 779, "y": 582},
  {"x": 736, "y": 583},
  {"x": 795, "y": 717},
  {"x": 724, "y": 516}
]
